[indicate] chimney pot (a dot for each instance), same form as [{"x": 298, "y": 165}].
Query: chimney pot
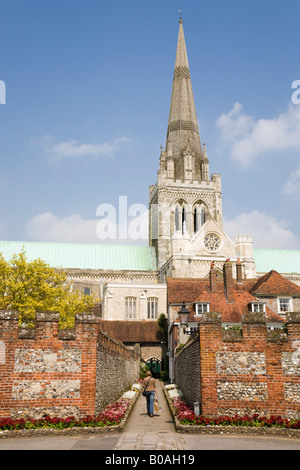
[
  {"x": 228, "y": 281},
  {"x": 239, "y": 275},
  {"x": 213, "y": 279}
]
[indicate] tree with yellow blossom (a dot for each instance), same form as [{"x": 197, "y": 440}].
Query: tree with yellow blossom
[{"x": 34, "y": 286}]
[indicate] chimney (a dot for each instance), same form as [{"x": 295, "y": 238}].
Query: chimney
[
  {"x": 213, "y": 277},
  {"x": 228, "y": 281},
  {"x": 239, "y": 275}
]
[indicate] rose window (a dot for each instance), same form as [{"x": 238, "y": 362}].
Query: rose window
[{"x": 212, "y": 242}]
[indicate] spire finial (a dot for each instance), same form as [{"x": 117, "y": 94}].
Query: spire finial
[{"x": 180, "y": 18}]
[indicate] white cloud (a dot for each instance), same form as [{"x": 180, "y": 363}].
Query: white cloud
[
  {"x": 292, "y": 186},
  {"x": 77, "y": 149},
  {"x": 106, "y": 228},
  {"x": 248, "y": 138},
  {"x": 267, "y": 232},
  {"x": 72, "y": 229}
]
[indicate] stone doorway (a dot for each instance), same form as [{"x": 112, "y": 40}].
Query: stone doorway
[{"x": 154, "y": 366}]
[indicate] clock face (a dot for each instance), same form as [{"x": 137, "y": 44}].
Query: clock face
[{"x": 212, "y": 242}]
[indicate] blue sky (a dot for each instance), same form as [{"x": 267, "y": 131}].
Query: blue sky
[{"x": 88, "y": 87}]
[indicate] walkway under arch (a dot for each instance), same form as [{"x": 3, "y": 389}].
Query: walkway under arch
[
  {"x": 145, "y": 433},
  {"x": 154, "y": 365}
]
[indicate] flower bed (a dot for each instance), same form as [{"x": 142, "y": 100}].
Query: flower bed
[
  {"x": 186, "y": 416},
  {"x": 112, "y": 415},
  {"x": 171, "y": 387}
]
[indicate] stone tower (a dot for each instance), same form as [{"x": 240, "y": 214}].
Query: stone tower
[{"x": 185, "y": 205}]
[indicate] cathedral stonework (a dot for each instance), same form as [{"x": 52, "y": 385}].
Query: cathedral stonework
[{"x": 186, "y": 220}]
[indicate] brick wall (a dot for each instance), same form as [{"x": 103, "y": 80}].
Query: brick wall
[
  {"x": 48, "y": 371},
  {"x": 252, "y": 371}
]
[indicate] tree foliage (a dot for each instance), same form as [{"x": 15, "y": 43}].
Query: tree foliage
[
  {"x": 31, "y": 286},
  {"x": 161, "y": 321}
]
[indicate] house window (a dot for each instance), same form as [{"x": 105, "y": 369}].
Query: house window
[
  {"x": 284, "y": 305},
  {"x": 202, "y": 307},
  {"x": 258, "y": 307},
  {"x": 130, "y": 308},
  {"x": 152, "y": 308},
  {"x": 193, "y": 330}
]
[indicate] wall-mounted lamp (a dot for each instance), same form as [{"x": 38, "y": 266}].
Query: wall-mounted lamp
[{"x": 184, "y": 314}]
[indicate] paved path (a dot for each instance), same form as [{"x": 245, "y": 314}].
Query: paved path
[
  {"x": 145, "y": 433},
  {"x": 152, "y": 434},
  {"x": 158, "y": 433}
]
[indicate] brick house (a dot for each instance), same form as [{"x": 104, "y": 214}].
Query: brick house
[{"x": 232, "y": 297}]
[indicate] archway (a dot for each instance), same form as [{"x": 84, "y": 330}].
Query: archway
[{"x": 154, "y": 366}]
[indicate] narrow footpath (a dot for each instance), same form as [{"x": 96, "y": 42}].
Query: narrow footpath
[{"x": 145, "y": 433}]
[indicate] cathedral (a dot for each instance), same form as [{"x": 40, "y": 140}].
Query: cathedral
[
  {"x": 186, "y": 236},
  {"x": 187, "y": 231}
]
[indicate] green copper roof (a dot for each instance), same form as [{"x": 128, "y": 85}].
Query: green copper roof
[
  {"x": 85, "y": 256},
  {"x": 282, "y": 261},
  {"x": 129, "y": 257}
]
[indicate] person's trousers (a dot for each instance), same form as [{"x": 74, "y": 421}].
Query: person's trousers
[{"x": 150, "y": 401}]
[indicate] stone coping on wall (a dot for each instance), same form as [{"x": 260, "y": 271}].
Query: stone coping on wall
[
  {"x": 21, "y": 433},
  {"x": 257, "y": 431}
]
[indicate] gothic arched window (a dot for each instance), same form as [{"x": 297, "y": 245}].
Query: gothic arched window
[
  {"x": 202, "y": 216},
  {"x": 183, "y": 220},
  {"x": 196, "y": 225},
  {"x": 180, "y": 218},
  {"x": 177, "y": 222},
  {"x": 199, "y": 217}
]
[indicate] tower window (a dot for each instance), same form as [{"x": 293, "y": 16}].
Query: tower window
[
  {"x": 199, "y": 217},
  {"x": 177, "y": 222},
  {"x": 202, "y": 216},
  {"x": 87, "y": 291},
  {"x": 180, "y": 219},
  {"x": 183, "y": 220},
  {"x": 196, "y": 228}
]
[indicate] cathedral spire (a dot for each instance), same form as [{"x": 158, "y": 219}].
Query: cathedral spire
[{"x": 183, "y": 127}]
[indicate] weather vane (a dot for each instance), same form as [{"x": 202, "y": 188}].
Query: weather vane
[{"x": 180, "y": 12}]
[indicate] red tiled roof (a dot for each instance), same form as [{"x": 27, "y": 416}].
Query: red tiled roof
[
  {"x": 274, "y": 283},
  {"x": 231, "y": 311},
  {"x": 192, "y": 290},
  {"x": 185, "y": 290},
  {"x": 132, "y": 331}
]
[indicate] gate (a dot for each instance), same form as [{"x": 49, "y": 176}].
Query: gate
[{"x": 154, "y": 366}]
